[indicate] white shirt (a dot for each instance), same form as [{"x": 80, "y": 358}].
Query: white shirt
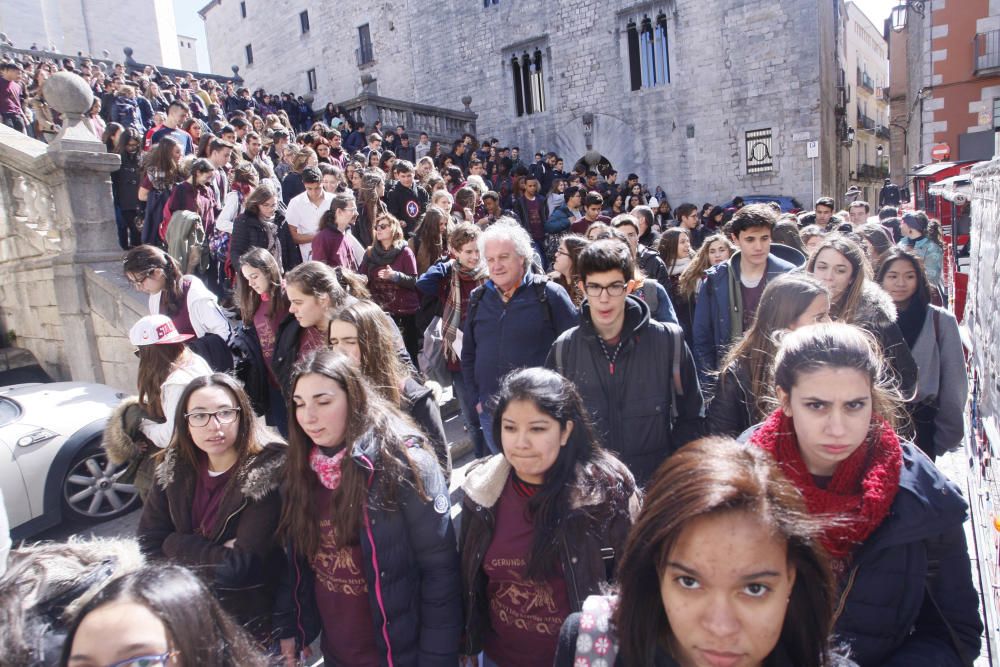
[
  {"x": 203, "y": 309},
  {"x": 188, "y": 368},
  {"x": 304, "y": 216}
]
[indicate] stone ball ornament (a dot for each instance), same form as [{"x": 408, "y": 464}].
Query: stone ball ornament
[{"x": 68, "y": 93}]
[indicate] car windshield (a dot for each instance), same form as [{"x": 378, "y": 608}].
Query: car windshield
[{"x": 9, "y": 410}]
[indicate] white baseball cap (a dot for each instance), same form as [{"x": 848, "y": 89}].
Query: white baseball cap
[{"x": 155, "y": 330}]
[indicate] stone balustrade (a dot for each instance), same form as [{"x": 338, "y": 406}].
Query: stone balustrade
[
  {"x": 440, "y": 124},
  {"x": 62, "y": 294}
]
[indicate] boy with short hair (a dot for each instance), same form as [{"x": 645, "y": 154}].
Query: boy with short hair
[
  {"x": 593, "y": 205},
  {"x": 728, "y": 301},
  {"x": 451, "y": 281},
  {"x": 406, "y": 201},
  {"x": 636, "y": 375}
]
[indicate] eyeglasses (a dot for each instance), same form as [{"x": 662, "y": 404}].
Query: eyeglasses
[
  {"x": 595, "y": 291},
  {"x": 563, "y": 253},
  {"x": 201, "y": 419},
  {"x": 382, "y": 226},
  {"x": 146, "y": 660},
  {"x": 137, "y": 282}
]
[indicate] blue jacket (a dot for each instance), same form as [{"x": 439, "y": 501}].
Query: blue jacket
[
  {"x": 415, "y": 592},
  {"x": 560, "y": 220},
  {"x": 499, "y": 337},
  {"x": 889, "y": 619},
  {"x": 713, "y": 313}
]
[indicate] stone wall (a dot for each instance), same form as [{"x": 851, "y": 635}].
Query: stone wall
[
  {"x": 62, "y": 295},
  {"x": 735, "y": 66}
]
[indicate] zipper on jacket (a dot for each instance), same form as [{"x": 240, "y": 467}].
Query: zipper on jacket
[
  {"x": 225, "y": 524},
  {"x": 568, "y": 563},
  {"x": 378, "y": 578},
  {"x": 843, "y": 596}
]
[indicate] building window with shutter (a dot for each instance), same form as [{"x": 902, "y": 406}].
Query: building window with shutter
[
  {"x": 528, "y": 75},
  {"x": 365, "y": 52},
  {"x": 648, "y": 51},
  {"x": 249, "y": 51},
  {"x": 311, "y": 79},
  {"x": 304, "y": 21}
]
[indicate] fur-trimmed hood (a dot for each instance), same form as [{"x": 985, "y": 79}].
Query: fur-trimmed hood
[
  {"x": 876, "y": 307},
  {"x": 122, "y": 431},
  {"x": 258, "y": 476},
  {"x": 486, "y": 478}
]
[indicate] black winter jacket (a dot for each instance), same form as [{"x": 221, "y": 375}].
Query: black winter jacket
[
  {"x": 242, "y": 576},
  {"x": 597, "y": 526},
  {"x": 730, "y": 410},
  {"x": 415, "y": 597},
  {"x": 630, "y": 401},
  {"x": 250, "y": 232},
  {"x": 125, "y": 183}
]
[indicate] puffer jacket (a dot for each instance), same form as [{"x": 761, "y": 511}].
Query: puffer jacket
[
  {"x": 410, "y": 564},
  {"x": 242, "y": 576},
  {"x": 876, "y": 314},
  {"x": 596, "y": 529},
  {"x": 632, "y": 400},
  {"x": 908, "y": 598},
  {"x": 916, "y": 559}
]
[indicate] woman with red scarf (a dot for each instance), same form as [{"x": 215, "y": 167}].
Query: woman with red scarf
[{"x": 895, "y": 522}]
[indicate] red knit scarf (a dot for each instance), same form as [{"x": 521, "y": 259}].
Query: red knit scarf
[{"x": 861, "y": 491}]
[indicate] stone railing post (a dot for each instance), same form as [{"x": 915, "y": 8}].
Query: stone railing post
[{"x": 78, "y": 172}]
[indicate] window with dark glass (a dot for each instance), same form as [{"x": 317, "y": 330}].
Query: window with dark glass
[
  {"x": 304, "y": 21},
  {"x": 249, "y": 51},
  {"x": 529, "y": 82},
  {"x": 243, "y": 9},
  {"x": 648, "y": 52},
  {"x": 365, "y": 53},
  {"x": 311, "y": 79}
]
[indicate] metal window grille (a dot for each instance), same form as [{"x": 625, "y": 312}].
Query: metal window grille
[{"x": 759, "y": 156}]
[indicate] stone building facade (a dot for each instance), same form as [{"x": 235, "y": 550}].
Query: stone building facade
[
  {"x": 681, "y": 92},
  {"x": 867, "y": 67},
  {"x": 93, "y": 27}
]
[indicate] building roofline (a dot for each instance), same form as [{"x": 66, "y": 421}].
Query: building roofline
[
  {"x": 859, "y": 11},
  {"x": 204, "y": 10}
]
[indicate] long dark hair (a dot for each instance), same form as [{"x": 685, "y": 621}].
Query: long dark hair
[
  {"x": 249, "y": 300},
  {"x": 197, "y": 628},
  {"x": 368, "y": 411},
  {"x": 251, "y": 436},
  {"x": 582, "y": 468},
  {"x": 127, "y": 135},
  {"x": 431, "y": 243},
  {"x": 143, "y": 259},
  {"x": 161, "y": 159},
  {"x": 846, "y": 305},
  {"x": 923, "y": 293},
  {"x": 155, "y": 365},
  {"x": 783, "y": 301},
  {"x": 708, "y": 477}
]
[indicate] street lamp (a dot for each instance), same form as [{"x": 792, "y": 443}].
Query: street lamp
[{"x": 898, "y": 14}]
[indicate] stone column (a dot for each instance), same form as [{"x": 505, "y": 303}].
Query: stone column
[{"x": 78, "y": 172}]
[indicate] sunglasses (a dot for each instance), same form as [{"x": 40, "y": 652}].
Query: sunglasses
[{"x": 383, "y": 226}]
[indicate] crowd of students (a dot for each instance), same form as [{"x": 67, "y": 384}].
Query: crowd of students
[{"x": 727, "y": 417}]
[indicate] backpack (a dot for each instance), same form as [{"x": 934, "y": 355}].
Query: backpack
[
  {"x": 595, "y": 644},
  {"x": 538, "y": 283}
]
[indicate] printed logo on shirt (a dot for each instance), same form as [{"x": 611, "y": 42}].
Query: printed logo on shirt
[
  {"x": 412, "y": 209},
  {"x": 441, "y": 503}
]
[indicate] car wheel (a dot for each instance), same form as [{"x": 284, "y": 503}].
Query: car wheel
[{"x": 91, "y": 490}]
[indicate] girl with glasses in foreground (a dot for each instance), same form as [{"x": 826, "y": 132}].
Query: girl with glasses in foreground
[{"x": 215, "y": 504}]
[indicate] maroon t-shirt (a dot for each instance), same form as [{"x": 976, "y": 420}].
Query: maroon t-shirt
[
  {"x": 581, "y": 225},
  {"x": 533, "y": 207},
  {"x": 10, "y": 97},
  {"x": 751, "y": 299},
  {"x": 311, "y": 339},
  {"x": 267, "y": 326},
  {"x": 342, "y": 597},
  {"x": 525, "y": 615},
  {"x": 208, "y": 492}
]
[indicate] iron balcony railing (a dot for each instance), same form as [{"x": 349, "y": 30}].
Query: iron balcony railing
[
  {"x": 986, "y": 52},
  {"x": 865, "y": 81}
]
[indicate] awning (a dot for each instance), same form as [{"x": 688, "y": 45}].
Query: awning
[
  {"x": 956, "y": 189},
  {"x": 931, "y": 169}
]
